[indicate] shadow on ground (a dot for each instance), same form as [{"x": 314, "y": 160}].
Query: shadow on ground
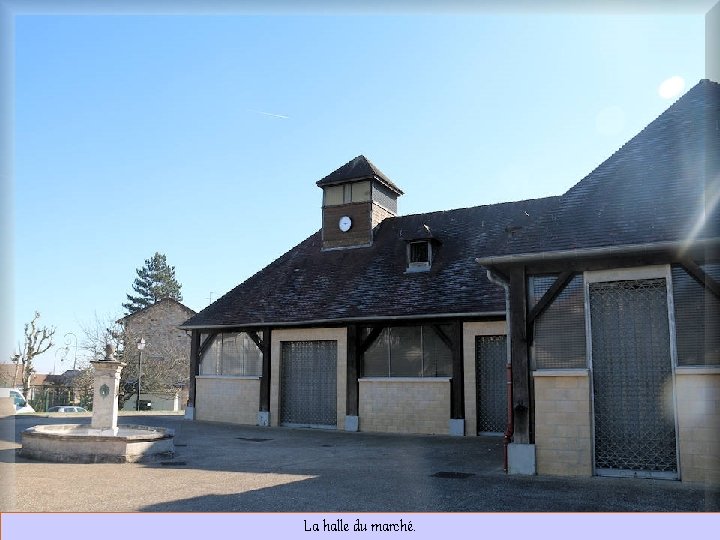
[{"x": 229, "y": 468}]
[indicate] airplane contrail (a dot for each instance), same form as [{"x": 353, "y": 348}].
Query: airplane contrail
[{"x": 269, "y": 114}]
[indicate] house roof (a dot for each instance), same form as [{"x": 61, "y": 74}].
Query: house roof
[
  {"x": 308, "y": 284},
  {"x": 155, "y": 305},
  {"x": 10, "y": 373},
  {"x": 359, "y": 168},
  {"x": 661, "y": 186}
]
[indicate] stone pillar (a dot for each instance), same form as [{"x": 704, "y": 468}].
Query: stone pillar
[{"x": 105, "y": 394}]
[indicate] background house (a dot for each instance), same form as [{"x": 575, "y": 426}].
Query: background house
[
  {"x": 165, "y": 366},
  {"x": 45, "y": 389}
]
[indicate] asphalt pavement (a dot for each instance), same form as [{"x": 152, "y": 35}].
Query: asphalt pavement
[{"x": 230, "y": 468}]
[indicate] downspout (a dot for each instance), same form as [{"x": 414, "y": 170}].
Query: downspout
[{"x": 510, "y": 428}]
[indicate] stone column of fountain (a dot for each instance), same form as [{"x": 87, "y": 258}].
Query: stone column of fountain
[{"x": 105, "y": 394}]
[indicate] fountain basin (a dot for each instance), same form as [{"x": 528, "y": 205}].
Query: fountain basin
[{"x": 83, "y": 444}]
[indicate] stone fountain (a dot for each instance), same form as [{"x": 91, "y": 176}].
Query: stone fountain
[{"x": 105, "y": 440}]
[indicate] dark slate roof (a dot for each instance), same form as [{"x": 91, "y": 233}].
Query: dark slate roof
[
  {"x": 307, "y": 284},
  {"x": 654, "y": 189},
  {"x": 359, "y": 168}
]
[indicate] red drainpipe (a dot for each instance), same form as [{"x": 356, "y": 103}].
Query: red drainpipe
[{"x": 510, "y": 425}]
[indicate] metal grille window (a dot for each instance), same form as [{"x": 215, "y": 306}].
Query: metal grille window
[
  {"x": 559, "y": 333},
  {"x": 419, "y": 252},
  {"x": 308, "y": 382},
  {"x": 232, "y": 354},
  {"x": 419, "y": 256},
  {"x": 409, "y": 351},
  {"x": 697, "y": 319},
  {"x": 491, "y": 381},
  {"x": 631, "y": 373}
]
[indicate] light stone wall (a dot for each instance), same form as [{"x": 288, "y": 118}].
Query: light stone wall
[
  {"x": 378, "y": 214},
  {"x": 470, "y": 332},
  {"x": 234, "y": 400},
  {"x": 563, "y": 423},
  {"x": 309, "y": 334},
  {"x": 158, "y": 324},
  {"x": 405, "y": 405},
  {"x": 697, "y": 393}
]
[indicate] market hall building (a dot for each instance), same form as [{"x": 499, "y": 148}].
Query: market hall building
[{"x": 603, "y": 302}]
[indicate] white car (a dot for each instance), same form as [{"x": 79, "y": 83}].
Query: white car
[
  {"x": 21, "y": 404},
  {"x": 67, "y": 409}
]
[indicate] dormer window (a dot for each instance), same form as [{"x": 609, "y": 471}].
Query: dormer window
[{"x": 419, "y": 256}]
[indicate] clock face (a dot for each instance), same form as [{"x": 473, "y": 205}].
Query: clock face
[{"x": 345, "y": 223}]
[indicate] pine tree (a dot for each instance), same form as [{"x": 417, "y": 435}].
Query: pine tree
[{"x": 154, "y": 282}]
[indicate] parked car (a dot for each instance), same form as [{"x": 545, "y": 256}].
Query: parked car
[
  {"x": 21, "y": 404},
  {"x": 67, "y": 409},
  {"x": 145, "y": 405}
]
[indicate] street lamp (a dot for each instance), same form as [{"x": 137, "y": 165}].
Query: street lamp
[
  {"x": 140, "y": 346},
  {"x": 67, "y": 345}
]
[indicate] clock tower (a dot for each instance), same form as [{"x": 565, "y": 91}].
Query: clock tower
[{"x": 356, "y": 198}]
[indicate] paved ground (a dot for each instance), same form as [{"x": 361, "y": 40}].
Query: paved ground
[{"x": 221, "y": 467}]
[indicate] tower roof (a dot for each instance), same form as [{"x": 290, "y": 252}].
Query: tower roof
[{"x": 357, "y": 169}]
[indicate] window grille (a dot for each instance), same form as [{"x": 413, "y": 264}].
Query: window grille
[
  {"x": 406, "y": 352},
  {"x": 559, "y": 332},
  {"x": 308, "y": 383},
  {"x": 376, "y": 360},
  {"x": 697, "y": 318},
  {"x": 419, "y": 252},
  {"x": 631, "y": 370},
  {"x": 419, "y": 256},
  {"x": 409, "y": 351},
  {"x": 232, "y": 354},
  {"x": 491, "y": 378}
]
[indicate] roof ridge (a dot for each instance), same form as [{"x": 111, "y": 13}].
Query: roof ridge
[{"x": 475, "y": 207}]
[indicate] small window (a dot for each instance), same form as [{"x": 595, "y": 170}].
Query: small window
[
  {"x": 419, "y": 256},
  {"x": 333, "y": 195},
  {"x": 361, "y": 192},
  {"x": 347, "y": 193}
]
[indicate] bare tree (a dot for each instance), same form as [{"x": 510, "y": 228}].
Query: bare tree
[
  {"x": 100, "y": 332},
  {"x": 37, "y": 340},
  {"x": 164, "y": 363}
]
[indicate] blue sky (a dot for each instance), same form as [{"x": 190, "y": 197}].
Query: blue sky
[{"x": 202, "y": 137}]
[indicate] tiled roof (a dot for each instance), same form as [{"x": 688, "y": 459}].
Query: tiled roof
[
  {"x": 9, "y": 374},
  {"x": 656, "y": 188},
  {"x": 307, "y": 284},
  {"x": 359, "y": 168},
  {"x": 156, "y": 305}
]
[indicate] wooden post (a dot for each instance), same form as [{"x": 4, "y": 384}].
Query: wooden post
[
  {"x": 353, "y": 370},
  {"x": 457, "y": 386},
  {"x": 194, "y": 365},
  {"x": 519, "y": 356},
  {"x": 265, "y": 379}
]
